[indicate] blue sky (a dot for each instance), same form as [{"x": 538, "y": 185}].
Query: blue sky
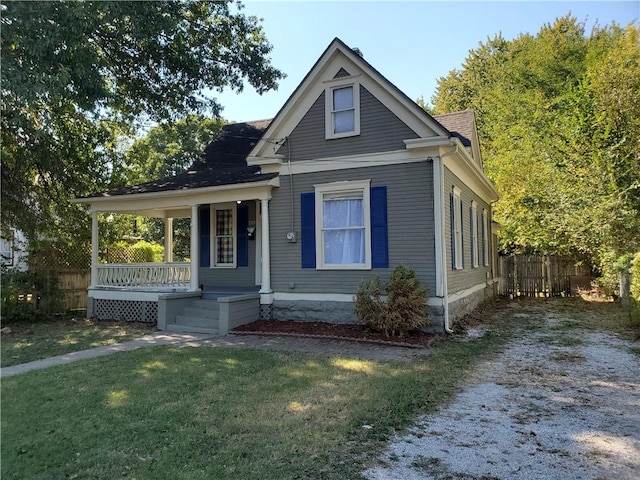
[{"x": 412, "y": 43}]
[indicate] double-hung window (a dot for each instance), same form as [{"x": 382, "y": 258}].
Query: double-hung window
[
  {"x": 485, "y": 238},
  {"x": 224, "y": 236},
  {"x": 456, "y": 227},
  {"x": 343, "y": 225},
  {"x": 343, "y": 110},
  {"x": 474, "y": 234}
]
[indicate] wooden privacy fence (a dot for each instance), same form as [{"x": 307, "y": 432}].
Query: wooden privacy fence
[
  {"x": 542, "y": 276},
  {"x": 73, "y": 285}
]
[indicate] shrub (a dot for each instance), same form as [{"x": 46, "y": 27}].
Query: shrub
[
  {"x": 139, "y": 252},
  {"x": 28, "y": 296},
  {"x": 404, "y": 308}
]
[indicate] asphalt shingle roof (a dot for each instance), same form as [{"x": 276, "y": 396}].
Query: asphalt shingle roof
[
  {"x": 459, "y": 124},
  {"x": 224, "y": 159},
  {"x": 223, "y": 163}
]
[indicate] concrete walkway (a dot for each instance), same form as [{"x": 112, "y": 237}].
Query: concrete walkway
[{"x": 314, "y": 346}]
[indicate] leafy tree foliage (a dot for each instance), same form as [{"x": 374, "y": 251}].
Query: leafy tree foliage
[
  {"x": 559, "y": 121},
  {"x": 77, "y": 74},
  {"x": 166, "y": 150},
  {"x": 170, "y": 148}
]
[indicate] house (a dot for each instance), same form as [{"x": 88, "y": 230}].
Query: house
[
  {"x": 289, "y": 215},
  {"x": 13, "y": 250}
]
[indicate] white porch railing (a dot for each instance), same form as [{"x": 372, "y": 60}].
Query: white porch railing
[{"x": 150, "y": 275}]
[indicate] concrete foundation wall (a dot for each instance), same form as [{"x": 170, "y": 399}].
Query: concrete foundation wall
[
  {"x": 337, "y": 312},
  {"x": 460, "y": 307}
]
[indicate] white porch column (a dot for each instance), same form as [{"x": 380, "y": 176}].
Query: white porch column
[
  {"x": 194, "y": 252},
  {"x": 168, "y": 239},
  {"x": 266, "y": 294},
  {"x": 94, "y": 249}
]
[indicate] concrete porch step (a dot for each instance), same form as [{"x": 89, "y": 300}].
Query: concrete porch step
[
  {"x": 173, "y": 327},
  {"x": 205, "y": 303},
  {"x": 195, "y": 321},
  {"x": 202, "y": 312}
]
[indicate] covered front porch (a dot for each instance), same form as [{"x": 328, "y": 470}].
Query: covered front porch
[{"x": 226, "y": 279}]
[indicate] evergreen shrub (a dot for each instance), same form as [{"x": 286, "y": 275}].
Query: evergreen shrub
[{"x": 403, "y": 309}]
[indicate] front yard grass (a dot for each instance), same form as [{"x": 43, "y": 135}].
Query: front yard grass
[
  {"x": 227, "y": 413},
  {"x": 230, "y": 413},
  {"x": 29, "y": 341}
]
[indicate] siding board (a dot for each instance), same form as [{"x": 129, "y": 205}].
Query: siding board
[
  {"x": 380, "y": 131},
  {"x": 459, "y": 280},
  {"x": 411, "y": 237},
  {"x": 233, "y": 277}
]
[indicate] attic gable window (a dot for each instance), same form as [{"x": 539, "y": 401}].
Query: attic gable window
[{"x": 342, "y": 110}]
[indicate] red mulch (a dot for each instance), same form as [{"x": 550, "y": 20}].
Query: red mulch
[{"x": 350, "y": 332}]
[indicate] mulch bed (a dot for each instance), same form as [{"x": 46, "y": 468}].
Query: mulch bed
[{"x": 350, "y": 332}]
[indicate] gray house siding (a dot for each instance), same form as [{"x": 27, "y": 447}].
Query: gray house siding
[
  {"x": 410, "y": 229},
  {"x": 233, "y": 277},
  {"x": 459, "y": 280},
  {"x": 380, "y": 131}
]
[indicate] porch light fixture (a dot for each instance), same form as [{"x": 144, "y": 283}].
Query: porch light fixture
[{"x": 251, "y": 231}]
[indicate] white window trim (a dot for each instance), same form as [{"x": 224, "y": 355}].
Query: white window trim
[
  {"x": 457, "y": 228},
  {"x": 213, "y": 249},
  {"x": 485, "y": 238},
  {"x": 343, "y": 187},
  {"x": 328, "y": 96},
  {"x": 474, "y": 234}
]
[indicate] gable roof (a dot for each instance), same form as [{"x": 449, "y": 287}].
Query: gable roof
[
  {"x": 459, "y": 124},
  {"x": 223, "y": 163},
  {"x": 328, "y": 67}
]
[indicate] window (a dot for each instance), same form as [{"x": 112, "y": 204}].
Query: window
[
  {"x": 474, "y": 234},
  {"x": 343, "y": 225},
  {"x": 343, "y": 110},
  {"x": 456, "y": 229},
  {"x": 6, "y": 250},
  {"x": 485, "y": 238},
  {"x": 224, "y": 240}
]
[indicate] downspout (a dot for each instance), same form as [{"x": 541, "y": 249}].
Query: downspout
[
  {"x": 439, "y": 186},
  {"x": 441, "y": 246}
]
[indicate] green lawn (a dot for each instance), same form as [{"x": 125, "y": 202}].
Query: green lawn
[
  {"x": 231, "y": 413},
  {"x": 33, "y": 341},
  {"x": 209, "y": 413}
]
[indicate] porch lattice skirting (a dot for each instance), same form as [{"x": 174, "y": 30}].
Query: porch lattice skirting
[
  {"x": 127, "y": 310},
  {"x": 266, "y": 312}
]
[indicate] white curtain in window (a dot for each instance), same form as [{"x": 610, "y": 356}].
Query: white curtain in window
[{"x": 343, "y": 230}]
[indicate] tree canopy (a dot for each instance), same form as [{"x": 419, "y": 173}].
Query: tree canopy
[
  {"x": 559, "y": 120},
  {"x": 77, "y": 75}
]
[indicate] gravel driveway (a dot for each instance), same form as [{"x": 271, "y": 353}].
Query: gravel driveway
[{"x": 559, "y": 402}]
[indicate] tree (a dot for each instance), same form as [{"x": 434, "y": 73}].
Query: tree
[
  {"x": 170, "y": 148},
  {"x": 76, "y": 75},
  {"x": 166, "y": 150},
  {"x": 560, "y": 132}
]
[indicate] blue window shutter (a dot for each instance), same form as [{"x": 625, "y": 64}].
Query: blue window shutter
[
  {"x": 379, "y": 229},
  {"x": 243, "y": 237},
  {"x": 205, "y": 235},
  {"x": 308, "y": 233},
  {"x": 453, "y": 231}
]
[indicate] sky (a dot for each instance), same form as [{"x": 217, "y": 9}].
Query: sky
[{"x": 411, "y": 43}]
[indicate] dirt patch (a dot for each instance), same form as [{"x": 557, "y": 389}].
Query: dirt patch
[
  {"x": 539, "y": 409},
  {"x": 351, "y": 332}
]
